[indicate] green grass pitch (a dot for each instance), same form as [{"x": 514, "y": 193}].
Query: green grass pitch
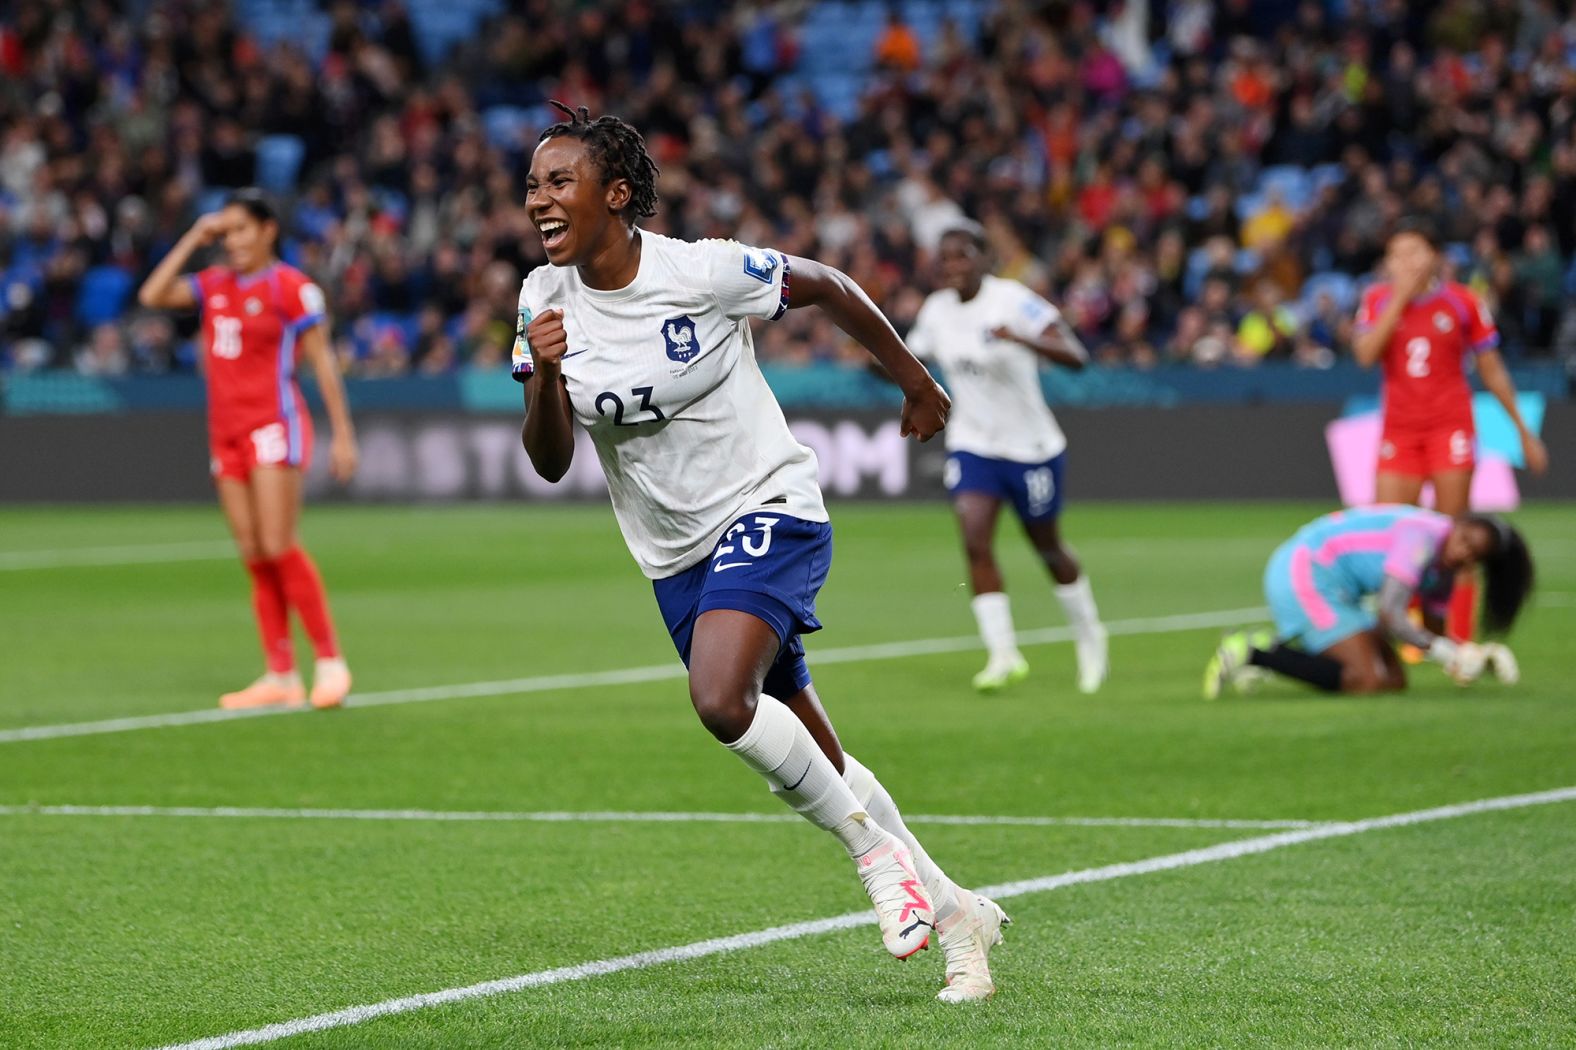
[{"x": 139, "y": 931}]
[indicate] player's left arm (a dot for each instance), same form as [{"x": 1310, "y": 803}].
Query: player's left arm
[
  {"x": 1496, "y": 379},
  {"x": 925, "y": 404},
  {"x": 343, "y": 454},
  {"x": 1056, "y": 342}
]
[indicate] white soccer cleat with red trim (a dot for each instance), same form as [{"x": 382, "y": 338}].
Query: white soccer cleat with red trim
[
  {"x": 966, "y": 942},
  {"x": 902, "y": 906}
]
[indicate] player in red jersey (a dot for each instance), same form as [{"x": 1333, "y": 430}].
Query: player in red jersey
[
  {"x": 1423, "y": 330},
  {"x": 258, "y": 316}
]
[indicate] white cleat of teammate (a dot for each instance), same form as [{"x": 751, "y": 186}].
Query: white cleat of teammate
[
  {"x": 1093, "y": 660},
  {"x": 902, "y": 906},
  {"x": 1000, "y": 672},
  {"x": 967, "y": 941}
]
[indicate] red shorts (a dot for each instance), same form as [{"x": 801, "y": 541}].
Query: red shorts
[
  {"x": 282, "y": 443},
  {"x": 1422, "y": 453}
]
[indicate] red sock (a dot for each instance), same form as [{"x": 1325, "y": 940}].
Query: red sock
[
  {"x": 304, "y": 588},
  {"x": 273, "y": 623},
  {"x": 1461, "y": 617}
]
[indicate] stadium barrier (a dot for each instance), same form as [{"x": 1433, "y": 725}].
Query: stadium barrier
[{"x": 1187, "y": 452}]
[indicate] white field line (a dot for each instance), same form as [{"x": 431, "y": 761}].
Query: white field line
[
  {"x": 616, "y": 817},
  {"x": 628, "y": 675},
  {"x": 138, "y": 554},
  {"x": 700, "y": 949}
]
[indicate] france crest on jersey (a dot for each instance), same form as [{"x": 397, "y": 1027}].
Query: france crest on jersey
[{"x": 679, "y": 333}]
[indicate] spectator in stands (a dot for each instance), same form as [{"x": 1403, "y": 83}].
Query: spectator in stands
[{"x": 1110, "y": 164}]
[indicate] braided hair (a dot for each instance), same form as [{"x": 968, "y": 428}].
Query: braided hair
[{"x": 618, "y": 152}]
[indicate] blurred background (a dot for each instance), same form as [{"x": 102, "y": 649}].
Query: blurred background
[{"x": 1204, "y": 188}]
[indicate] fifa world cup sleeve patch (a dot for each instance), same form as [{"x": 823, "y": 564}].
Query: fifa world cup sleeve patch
[{"x": 521, "y": 365}]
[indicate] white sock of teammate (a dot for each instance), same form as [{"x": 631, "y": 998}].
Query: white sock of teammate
[
  {"x": 1089, "y": 636},
  {"x": 780, "y": 748},
  {"x": 945, "y": 895},
  {"x": 1078, "y": 600},
  {"x": 994, "y": 616}
]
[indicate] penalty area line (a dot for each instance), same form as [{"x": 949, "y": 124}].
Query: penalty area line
[
  {"x": 620, "y": 817},
  {"x": 628, "y": 675},
  {"x": 715, "y": 946}
]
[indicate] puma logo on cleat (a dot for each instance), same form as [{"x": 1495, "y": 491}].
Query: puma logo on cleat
[
  {"x": 914, "y": 903},
  {"x": 916, "y": 924}
]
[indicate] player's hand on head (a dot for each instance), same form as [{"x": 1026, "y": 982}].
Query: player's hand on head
[
  {"x": 547, "y": 337},
  {"x": 209, "y": 228},
  {"x": 925, "y": 412}
]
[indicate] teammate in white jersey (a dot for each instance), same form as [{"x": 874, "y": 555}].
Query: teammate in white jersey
[
  {"x": 990, "y": 336},
  {"x": 645, "y": 340}
]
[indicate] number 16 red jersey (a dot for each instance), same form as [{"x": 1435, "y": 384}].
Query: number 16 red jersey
[
  {"x": 1425, "y": 379},
  {"x": 250, "y": 326}
]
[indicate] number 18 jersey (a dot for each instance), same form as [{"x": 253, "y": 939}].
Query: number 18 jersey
[
  {"x": 1425, "y": 380},
  {"x": 250, "y": 325},
  {"x": 662, "y": 374}
]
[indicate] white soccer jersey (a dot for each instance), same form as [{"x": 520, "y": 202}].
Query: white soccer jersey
[
  {"x": 662, "y": 373},
  {"x": 998, "y": 407}
]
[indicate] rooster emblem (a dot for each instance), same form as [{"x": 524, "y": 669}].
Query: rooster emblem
[{"x": 679, "y": 334}]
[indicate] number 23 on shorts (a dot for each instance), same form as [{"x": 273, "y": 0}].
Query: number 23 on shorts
[{"x": 753, "y": 541}]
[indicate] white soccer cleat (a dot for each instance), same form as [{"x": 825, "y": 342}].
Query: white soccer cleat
[
  {"x": 902, "y": 906},
  {"x": 330, "y": 683},
  {"x": 967, "y": 941},
  {"x": 1001, "y": 672},
  {"x": 1093, "y": 660}
]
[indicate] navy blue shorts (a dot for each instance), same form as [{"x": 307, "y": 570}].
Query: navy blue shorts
[
  {"x": 1034, "y": 489},
  {"x": 768, "y": 565}
]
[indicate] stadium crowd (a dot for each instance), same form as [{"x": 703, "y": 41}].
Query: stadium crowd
[{"x": 1191, "y": 181}]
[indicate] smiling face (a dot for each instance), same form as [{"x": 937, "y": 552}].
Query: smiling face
[
  {"x": 576, "y": 210},
  {"x": 248, "y": 241}
]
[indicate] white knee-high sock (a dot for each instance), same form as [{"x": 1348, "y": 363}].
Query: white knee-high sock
[
  {"x": 1078, "y": 600},
  {"x": 993, "y": 613},
  {"x": 780, "y": 748},
  {"x": 945, "y": 895}
]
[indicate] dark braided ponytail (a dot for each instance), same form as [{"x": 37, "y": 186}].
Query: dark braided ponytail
[{"x": 617, "y": 150}]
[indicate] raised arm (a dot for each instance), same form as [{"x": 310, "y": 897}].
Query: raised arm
[
  {"x": 343, "y": 454},
  {"x": 1368, "y": 346},
  {"x": 164, "y": 289},
  {"x": 548, "y": 435},
  {"x": 1496, "y": 379},
  {"x": 925, "y": 404}
]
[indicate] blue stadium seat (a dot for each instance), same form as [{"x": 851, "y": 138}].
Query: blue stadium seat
[
  {"x": 1292, "y": 182},
  {"x": 279, "y": 162},
  {"x": 102, "y": 295},
  {"x": 1249, "y": 205},
  {"x": 1341, "y": 287}
]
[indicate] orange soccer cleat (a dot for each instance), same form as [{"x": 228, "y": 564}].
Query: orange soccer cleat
[
  {"x": 268, "y": 691},
  {"x": 330, "y": 683}
]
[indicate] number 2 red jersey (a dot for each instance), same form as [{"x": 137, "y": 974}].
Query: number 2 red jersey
[
  {"x": 250, "y": 326},
  {"x": 1425, "y": 379}
]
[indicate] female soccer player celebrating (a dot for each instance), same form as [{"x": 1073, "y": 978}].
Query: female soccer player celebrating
[
  {"x": 989, "y": 335},
  {"x": 1423, "y": 330},
  {"x": 1317, "y": 581},
  {"x": 645, "y": 340},
  {"x": 257, "y": 314}
]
